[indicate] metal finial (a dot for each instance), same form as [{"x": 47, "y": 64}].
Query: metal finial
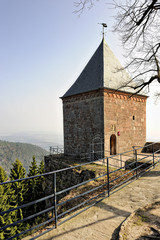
[{"x": 104, "y": 25}]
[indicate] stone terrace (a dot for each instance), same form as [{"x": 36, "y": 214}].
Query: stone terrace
[{"x": 102, "y": 221}]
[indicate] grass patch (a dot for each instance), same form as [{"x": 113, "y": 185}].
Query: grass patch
[{"x": 140, "y": 218}]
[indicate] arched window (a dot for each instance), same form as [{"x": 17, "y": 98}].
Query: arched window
[{"x": 113, "y": 144}]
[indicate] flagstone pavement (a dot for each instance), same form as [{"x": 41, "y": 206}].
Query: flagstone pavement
[{"x": 102, "y": 221}]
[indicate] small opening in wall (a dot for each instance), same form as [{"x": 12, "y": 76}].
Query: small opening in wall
[{"x": 133, "y": 117}]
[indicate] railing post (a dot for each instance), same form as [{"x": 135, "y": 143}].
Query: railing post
[
  {"x": 121, "y": 160},
  {"x": 153, "y": 154},
  {"x": 136, "y": 163},
  {"x": 134, "y": 158},
  {"x": 108, "y": 177},
  {"x": 55, "y": 198},
  {"x": 50, "y": 150}
]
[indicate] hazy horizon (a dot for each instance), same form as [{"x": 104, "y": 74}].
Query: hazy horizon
[
  {"x": 44, "y": 47},
  {"x": 42, "y": 139}
]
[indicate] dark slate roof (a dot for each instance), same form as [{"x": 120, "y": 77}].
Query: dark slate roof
[{"x": 100, "y": 72}]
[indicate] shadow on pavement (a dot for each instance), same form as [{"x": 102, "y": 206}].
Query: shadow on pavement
[
  {"x": 116, "y": 212},
  {"x": 152, "y": 174}
]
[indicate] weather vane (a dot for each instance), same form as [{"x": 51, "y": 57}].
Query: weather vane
[{"x": 104, "y": 25}]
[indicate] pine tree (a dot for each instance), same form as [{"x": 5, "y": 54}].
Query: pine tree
[
  {"x": 33, "y": 186},
  {"x": 36, "y": 189},
  {"x": 3, "y": 175},
  {"x": 32, "y": 193},
  {"x": 41, "y": 180},
  {"x": 33, "y": 169},
  {"x": 41, "y": 186},
  {"x": 41, "y": 167},
  {"x": 20, "y": 189},
  {"x": 7, "y": 201},
  {"x": 18, "y": 172}
]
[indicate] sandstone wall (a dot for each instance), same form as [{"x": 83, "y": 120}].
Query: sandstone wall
[
  {"x": 126, "y": 116},
  {"x": 83, "y": 121},
  {"x": 100, "y": 114}
]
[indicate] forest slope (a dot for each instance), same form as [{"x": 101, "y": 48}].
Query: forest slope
[{"x": 10, "y": 151}]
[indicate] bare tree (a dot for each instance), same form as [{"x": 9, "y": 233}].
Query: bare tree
[
  {"x": 81, "y": 5},
  {"x": 138, "y": 25}
]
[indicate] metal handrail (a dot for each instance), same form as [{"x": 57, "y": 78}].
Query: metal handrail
[
  {"x": 136, "y": 173},
  {"x": 52, "y": 172}
]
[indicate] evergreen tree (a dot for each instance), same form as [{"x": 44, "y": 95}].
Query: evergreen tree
[
  {"x": 41, "y": 180},
  {"x": 41, "y": 186},
  {"x": 3, "y": 175},
  {"x": 36, "y": 189},
  {"x": 7, "y": 201},
  {"x": 18, "y": 172},
  {"x": 33, "y": 183},
  {"x": 41, "y": 167},
  {"x": 32, "y": 193},
  {"x": 33, "y": 169},
  {"x": 20, "y": 189}
]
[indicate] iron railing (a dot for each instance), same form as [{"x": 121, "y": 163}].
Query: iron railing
[
  {"x": 119, "y": 170},
  {"x": 58, "y": 150}
]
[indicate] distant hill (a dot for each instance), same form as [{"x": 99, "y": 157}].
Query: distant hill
[
  {"x": 41, "y": 139},
  {"x": 9, "y": 151}
]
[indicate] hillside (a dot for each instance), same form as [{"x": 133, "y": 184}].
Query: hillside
[{"x": 9, "y": 151}]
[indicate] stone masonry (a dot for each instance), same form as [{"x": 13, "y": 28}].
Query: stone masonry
[
  {"x": 101, "y": 114},
  {"x": 83, "y": 120},
  {"x": 97, "y": 108},
  {"x": 127, "y": 116}
]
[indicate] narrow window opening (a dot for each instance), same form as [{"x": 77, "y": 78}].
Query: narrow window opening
[{"x": 133, "y": 117}]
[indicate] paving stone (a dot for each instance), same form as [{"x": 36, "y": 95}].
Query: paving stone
[{"x": 99, "y": 222}]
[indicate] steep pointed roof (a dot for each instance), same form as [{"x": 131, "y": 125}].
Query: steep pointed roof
[{"x": 100, "y": 72}]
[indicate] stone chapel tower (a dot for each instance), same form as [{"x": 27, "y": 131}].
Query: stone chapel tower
[{"x": 96, "y": 110}]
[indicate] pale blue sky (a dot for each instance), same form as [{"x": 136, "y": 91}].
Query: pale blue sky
[{"x": 43, "y": 48}]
